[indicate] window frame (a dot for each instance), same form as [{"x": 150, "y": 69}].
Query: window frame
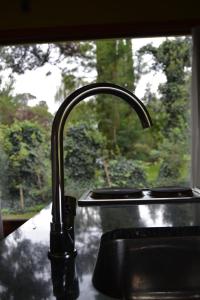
[{"x": 195, "y": 111}]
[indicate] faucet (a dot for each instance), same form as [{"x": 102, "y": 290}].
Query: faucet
[{"x": 63, "y": 207}]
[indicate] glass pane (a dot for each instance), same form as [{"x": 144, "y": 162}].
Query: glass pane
[{"x": 105, "y": 145}]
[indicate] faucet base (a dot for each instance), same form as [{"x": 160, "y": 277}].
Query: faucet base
[{"x": 61, "y": 242}]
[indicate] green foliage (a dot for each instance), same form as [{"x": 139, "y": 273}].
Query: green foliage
[
  {"x": 8, "y": 104},
  {"x": 17, "y": 213},
  {"x": 24, "y": 57},
  {"x": 84, "y": 112},
  {"x": 126, "y": 173},
  {"x": 38, "y": 114},
  {"x": 22, "y": 144},
  {"x": 114, "y": 63},
  {"x": 172, "y": 57},
  {"x": 76, "y": 59},
  {"x": 82, "y": 148},
  {"x": 24, "y": 147},
  {"x": 3, "y": 170}
]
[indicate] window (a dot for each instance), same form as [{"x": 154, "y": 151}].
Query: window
[{"x": 104, "y": 142}]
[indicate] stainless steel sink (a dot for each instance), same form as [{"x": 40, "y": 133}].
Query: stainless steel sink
[{"x": 148, "y": 268}]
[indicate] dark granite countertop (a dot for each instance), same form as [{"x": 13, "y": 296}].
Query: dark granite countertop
[{"x": 25, "y": 270}]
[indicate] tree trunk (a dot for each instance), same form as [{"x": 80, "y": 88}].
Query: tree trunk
[
  {"x": 107, "y": 173},
  {"x": 114, "y": 64},
  {"x": 40, "y": 186},
  {"x": 21, "y": 194}
]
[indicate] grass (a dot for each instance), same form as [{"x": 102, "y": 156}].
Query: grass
[
  {"x": 14, "y": 216},
  {"x": 28, "y": 213},
  {"x": 152, "y": 171}
]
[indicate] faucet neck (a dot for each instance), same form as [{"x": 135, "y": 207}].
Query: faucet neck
[{"x": 58, "y": 206}]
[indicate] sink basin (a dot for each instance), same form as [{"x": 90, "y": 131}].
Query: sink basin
[{"x": 148, "y": 268}]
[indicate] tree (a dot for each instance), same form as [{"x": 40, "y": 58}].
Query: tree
[
  {"x": 70, "y": 57},
  {"x": 3, "y": 171},
  {"x": 172, "y": 57},
  {"x": 38, "y": 114},
  {"x": 114, "y": 63},
  {"x": 24, "y": 145},
  {"x": 8, "y": 103},
  {"x": 25, "y": 148}
]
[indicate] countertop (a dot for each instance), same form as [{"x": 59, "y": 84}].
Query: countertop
[{"x": 25, "y": 270}]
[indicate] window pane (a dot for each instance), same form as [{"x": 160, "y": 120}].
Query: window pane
[{"x": 105, "y": 144}]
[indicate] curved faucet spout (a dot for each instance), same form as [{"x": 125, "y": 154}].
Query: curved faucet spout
[{"x": 58, "y": 206}]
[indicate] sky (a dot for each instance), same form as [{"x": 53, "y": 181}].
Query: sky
[{"x": 44, "y": 87}]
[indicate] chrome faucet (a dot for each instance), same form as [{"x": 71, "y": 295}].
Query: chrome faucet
[{"x": 61, "y": 235}]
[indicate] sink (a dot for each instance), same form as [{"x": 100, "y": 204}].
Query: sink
[{"x": 148, "y": 267}]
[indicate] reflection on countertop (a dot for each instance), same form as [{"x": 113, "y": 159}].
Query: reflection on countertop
[{"x": 26, "y": 271}]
